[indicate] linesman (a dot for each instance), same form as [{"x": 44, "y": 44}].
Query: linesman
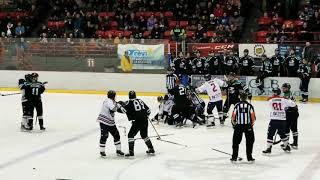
[{"x": 243, "y": 118}]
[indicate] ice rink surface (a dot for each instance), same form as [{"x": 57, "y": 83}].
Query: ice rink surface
[{"x": 69, "y": 147}]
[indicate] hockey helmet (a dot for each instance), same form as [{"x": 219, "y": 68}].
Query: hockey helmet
[
  {"x": 166, "y": 97},
  {"x": 286, "y": 85},
  {"x": 207, "y": 77},
  {"x": 132, "y": 95},
  {"x": 34, "y": 75},
  {"x": 159, "y": 98},
  {"x": 111, "y": 94},
  {"x": 243, "y": 96},
  {"x": 276, "y": 91},
  {"x": 28, "y": 77}
]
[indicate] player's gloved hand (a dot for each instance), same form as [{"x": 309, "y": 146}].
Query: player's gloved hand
[{"x": 121, "y": 103}]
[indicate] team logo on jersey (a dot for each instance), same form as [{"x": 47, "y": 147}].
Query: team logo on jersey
[{"x": 259, "y": 50}]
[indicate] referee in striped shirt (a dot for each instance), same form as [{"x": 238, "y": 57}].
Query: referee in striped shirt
[
  {"x": 170, "y": 79},
  {"x": 243, "y": 118}
]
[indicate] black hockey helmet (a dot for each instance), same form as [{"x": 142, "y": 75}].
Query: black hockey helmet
[
  {"x": 286, "y": 85},
  {"x": 243, "y": 96},
  {"x": 166, "y": 97},
  {"x": 159, "y": 98},
  {"x": 207, "y": 77},
  {"x": 132, "y": 95},
  {"x": 246, "y": 50},
  {"x": 28, "y": 77},
  {"x": 111, "y": 94},
  {"x": 276, "y": 91},
  {"x": 33, "y": 75}
]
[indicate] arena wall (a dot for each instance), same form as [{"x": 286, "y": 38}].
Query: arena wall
[{"x": 145, "y": 84}]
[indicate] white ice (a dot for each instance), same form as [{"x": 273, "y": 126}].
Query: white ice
[{"x": 69, "y": 147}]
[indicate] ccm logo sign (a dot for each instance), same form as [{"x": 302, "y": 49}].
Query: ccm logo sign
[{"x": 223, "y": 47}]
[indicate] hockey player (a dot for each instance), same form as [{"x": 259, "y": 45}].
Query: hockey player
[
  {"x": 278, "y": 106},
  {"x": 33, "y": 92},
  {"x": 198, "y": 64},
  {"x": 213, "y": 88},
  {"x": 292, "y": 64},
  {"x": 137, "y": 112},
  {"x": 292, "y": 115},
  {"x": 198, "y": 106},
  {"x": 107, "y": 123},
  {"x": 215, "y": 64},
  {"x": 277, "y": 62},
  {"x": 246, "y": 64},
  {"x": 265, "y": 71},
  {"x": 165, "y": 110},
  {"x": 304, "y": 73},
  {"x": 230, "y": 63},
  {"x": 181, "y": 103},
  {"x": 234, "y": 88},
  {"x": 23, "y": 84}
]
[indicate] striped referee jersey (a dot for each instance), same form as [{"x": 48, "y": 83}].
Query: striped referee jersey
[
  {"x": 171, "y": 81},
  {"x": 243, "y": 113}
]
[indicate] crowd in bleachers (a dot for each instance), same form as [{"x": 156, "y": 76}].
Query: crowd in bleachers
[
  {"x": 298, "y": 26},
  {"x": 194, "y": 21}
]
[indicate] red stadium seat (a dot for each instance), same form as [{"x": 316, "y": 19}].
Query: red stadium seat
[
  {"x": 138, "y": 14},
  {"x": 127, "y": 33},
  {"x": 110, "y": 14},
  {"x": 168, "y": 14},
  {"x": 103, "y": 14},
  {"x": 262, "y": 34},
  {"x": 264, "y": 21},
  {"x": 117, "y": 32},
  {"x": 172, "y": 24},
  {"x": 183, "y": 24},
  {"x": 114, "y": 25},
  {"x": 190, "y": 34},
  {"x": 100, "y": 33},
  {"x": 157, "y": 14},
  {"x": 148, "y": 14},
  {"x": 61, "y": 24},
  {"x": 167, "y": 34},
  {"x": 211, "y": 34},
  {"x": 288, "y": 23},
  {"x": 51, "y": 23},
  {"x": 146, "y": 34},
  {"x": 3, "y": 14},
  {"x": 298, "y": 23},
  {"x": 106, "y": 33},
  {"x": 21, "y": 14}
]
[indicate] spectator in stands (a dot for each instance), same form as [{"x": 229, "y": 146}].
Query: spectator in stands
[
  {"x": 121, "y": 22},
  {"x": 77, "y": 24},
  {"x": 212, "y": 23},
  {"x": 224, "y": 20},
  {"x": 151, "y": 22},
  {"x": 200, "y": 31},
  {"x": 9, "y": 31},
  {"x": 218, "y": 10},
  {"x": 177, "y": 33},
  {"x": 20, "y": 30},
  {"x": 157, "y": 32},
  {"x": 236, "y": 20},
  {"x": 142, "y": 24}
]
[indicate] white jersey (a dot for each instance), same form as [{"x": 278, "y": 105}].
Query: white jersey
[
  {"x": 108, "y": 109},
  {"x": 212, "y": 88},
  {"x": 278, "y": 106},
  {"x": 166, "y": 106}
]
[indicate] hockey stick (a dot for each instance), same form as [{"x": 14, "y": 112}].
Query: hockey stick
[
  {"x": 275, "y": 138},
  {"x": 155, "y": 136},
  {"x": 11, "y": 94},
  {"x": 239, "y": 158},
  {"x": 159, "y": 138}
]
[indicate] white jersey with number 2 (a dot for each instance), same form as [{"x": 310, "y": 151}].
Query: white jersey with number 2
[
  {"x": 212, "y": 88},
  {"x": 278, "y": 106}
]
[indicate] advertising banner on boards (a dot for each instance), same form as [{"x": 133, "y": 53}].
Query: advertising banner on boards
[{"x": 143, "y": 56}]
